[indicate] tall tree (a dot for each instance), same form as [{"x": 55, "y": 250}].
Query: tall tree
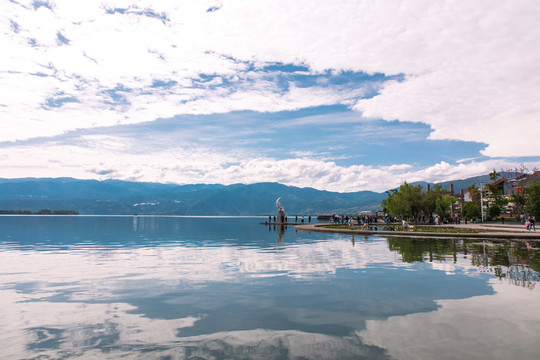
[
  {"x": 411, "y": 201},
  {"x": 443, "y": 204},
  {"x": 430, "y": 200},
  {"x": 533, "y": 202},
  {"x": 407, "y": 201},
  {"x": 518, "y": 200},
  {"x": 471, "y": 209},
  {"x": 495, "y": 199}
]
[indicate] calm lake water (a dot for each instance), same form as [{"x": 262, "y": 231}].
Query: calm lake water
[{"x": 228, "y": 288}]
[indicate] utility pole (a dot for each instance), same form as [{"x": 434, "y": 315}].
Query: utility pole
[{"x": 482, "y": 200}]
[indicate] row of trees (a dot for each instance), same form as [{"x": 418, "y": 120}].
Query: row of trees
[
  {"x": 410, "y": 201},
  {"x": 40, "y": 212}
]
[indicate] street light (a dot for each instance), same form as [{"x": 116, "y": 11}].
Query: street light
[{"x": 482, "y": 200}]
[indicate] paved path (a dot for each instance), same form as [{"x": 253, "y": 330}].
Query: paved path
[{"x": 489, "y": 231}]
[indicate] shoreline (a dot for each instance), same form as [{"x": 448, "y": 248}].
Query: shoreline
[{"x": 489, "y": 231}]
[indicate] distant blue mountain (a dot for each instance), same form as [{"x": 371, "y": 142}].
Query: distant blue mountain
[{"x": 124, "y": 197}]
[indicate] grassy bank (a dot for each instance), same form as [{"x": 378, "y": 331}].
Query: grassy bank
[{"x": 414, "y": 228}]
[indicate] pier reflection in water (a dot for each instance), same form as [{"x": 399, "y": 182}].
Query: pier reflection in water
[{"x": 182, "y": 288}]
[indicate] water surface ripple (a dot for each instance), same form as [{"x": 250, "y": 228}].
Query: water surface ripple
[{"x": 82, "y": 287}]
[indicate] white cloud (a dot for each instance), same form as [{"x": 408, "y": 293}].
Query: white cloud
[
  {"x": 469, "y": 70},
  {"x": 164, "y": 160},
  {"x": 472, "y": 67},
  {"x": 479, "y": 81},
  {"x": 130, "y": 50}
]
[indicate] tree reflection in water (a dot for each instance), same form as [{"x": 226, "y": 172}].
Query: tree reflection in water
[{"x": 516, "y": 262}]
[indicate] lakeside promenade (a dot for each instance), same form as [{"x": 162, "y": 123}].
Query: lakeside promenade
[{"x": 486, "y": 231}]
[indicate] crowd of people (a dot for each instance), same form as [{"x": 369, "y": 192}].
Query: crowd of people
[
  {"x": 529, "y": 221},
  {"x": 359, "y": 219}
]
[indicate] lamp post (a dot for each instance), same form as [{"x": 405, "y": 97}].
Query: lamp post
[{"x": 482, "y": 200}]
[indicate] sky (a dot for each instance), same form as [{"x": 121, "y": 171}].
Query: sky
[{"x": 336, "y": 95}]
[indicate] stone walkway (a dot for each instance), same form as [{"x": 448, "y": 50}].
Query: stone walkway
[{"x": 489, "y": 231}]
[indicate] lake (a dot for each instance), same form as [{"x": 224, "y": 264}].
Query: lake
[{"x": 90, "y": 287}]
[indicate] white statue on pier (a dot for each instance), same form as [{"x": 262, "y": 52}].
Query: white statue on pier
[
  {"x": 279, "y": 206},
  {"x": 281, "y": 212}
]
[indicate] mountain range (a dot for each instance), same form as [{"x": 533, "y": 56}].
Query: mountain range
[{"x": 116, "y": 197}]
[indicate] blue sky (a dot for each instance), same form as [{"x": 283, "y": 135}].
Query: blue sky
[{"x": 341, "y": 96}]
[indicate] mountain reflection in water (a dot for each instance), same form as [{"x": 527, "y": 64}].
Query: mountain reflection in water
[{"x": 185, "y": 288}]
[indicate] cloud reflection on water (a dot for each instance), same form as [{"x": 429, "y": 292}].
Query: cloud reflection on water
[
  {"x": 320, "y": 299},
  {"x": 495, "y": 326},
  {"x": 66, "y": 303},
  {"x": 97, "y": 274},
  {"x": 61, "y": 329}
]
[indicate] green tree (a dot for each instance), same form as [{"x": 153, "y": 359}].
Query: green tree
[
  {"x": 495, "y": 198},
  {"x": 533, "y": 202},
  {"x": 443, "y": 205},
  {"x": 494, "y": 210},
  {"x": 471, "y": 209},
  {"x": 517, "y": 196},
  {"x": 519, "y": 200},
  {"x": 494, "y": 175},
  {"x": 430, "y": 200},
  {"x": 407, "y": 201}
]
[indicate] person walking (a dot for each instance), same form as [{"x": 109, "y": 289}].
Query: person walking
[{"x": 531, "y": 223}]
